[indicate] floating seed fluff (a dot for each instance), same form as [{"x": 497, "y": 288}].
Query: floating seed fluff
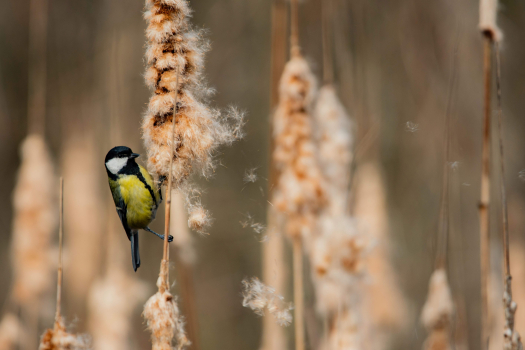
[{"x": 172, "y": 45}]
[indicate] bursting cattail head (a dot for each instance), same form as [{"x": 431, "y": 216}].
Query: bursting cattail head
[
  {"x": 173, "y": 46},
  {"x": 163, "y": 318},
  {"x": 34, "y": 222},
  {"x": 59, "y": 339},
  {"x": 299, "y": 192},
  {"x": 488, "y": 13}
]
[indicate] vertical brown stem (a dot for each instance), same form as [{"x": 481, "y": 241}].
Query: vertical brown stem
[
  {"x": 273, "y": 337},
  {"x": 298, "y": 292},
  {"x": 167, "y": 216},
  {"x": 36, "y": 101},
  {"x": 294, "y": 32},
  {"x": 485, "y": 194},
  {"x": 60, "y": 235}
]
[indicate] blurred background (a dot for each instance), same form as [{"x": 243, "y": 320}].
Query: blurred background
[{"x": 393, "y": 63}]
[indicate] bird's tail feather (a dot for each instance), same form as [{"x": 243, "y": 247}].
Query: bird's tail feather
[{"x": 135, "y": 256}]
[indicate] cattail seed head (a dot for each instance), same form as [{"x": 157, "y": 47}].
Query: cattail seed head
[
  {"x": 59, "y": 339},
  {"x": 173, "y": 46},
  {"x": 299, "y": 192},
  {"x": 163, "y": 319}
]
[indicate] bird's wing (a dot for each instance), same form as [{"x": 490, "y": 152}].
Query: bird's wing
[{"x": 121, "y": 210}]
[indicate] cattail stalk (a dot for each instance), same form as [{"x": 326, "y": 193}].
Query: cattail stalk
[
  {"x": 299, "y": 192},
  {"x": 491, "y": 33},
  {"x": 58, "y": 338},
  {"x": 273, "y": 337},
  {"x": 512, "y": 339}
]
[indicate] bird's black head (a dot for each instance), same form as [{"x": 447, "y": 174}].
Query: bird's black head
[{"x": 119, "y": 159}]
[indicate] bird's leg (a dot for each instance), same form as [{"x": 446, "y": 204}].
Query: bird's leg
[{"x": 170, "y": 237}]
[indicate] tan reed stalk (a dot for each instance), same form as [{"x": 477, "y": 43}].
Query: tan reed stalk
[
  {"x": 491, "y": 33},
  {"x": 512, "y": 339},
  {"x": 57, "y": 338},
  {"x": 274, "y": 337}
]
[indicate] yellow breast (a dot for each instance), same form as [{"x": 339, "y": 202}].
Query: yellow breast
[{"x": 139, "y": 203}]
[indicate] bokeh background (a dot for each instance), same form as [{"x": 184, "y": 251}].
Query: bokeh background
[{"x": 393, "y": 63}]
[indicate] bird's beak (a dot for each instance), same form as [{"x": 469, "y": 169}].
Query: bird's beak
[{"x": 134, "y": 155}]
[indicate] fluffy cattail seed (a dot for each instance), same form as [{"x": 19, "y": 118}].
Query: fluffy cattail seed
[{"x": 173, "y": 46}]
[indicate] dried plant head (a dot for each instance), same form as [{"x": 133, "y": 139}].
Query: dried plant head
[
  {"x": 11, "y": 332},
  {"x": 334, "y": 136},
  {"x": 163, "y": 318},
  {"x": 260, "y": 298},
  {"x": 111, "y": 303},
  {"x": 174, "y": 46},
  {"x": 34, "y": 223},
  {"x": 59, "y": 339},
  {"x": 299, "y": 192}
]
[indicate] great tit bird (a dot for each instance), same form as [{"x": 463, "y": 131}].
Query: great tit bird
[{"x": 135, "y": 195}]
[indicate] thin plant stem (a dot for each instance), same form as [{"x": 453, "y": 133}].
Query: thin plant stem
[
  {"x": 485, "y": 193},
  {"x": 167, "y": 216},
  {"x": 295, "y": 49},
  {"x": 60, "y": 235},
  {"x": 328, "y": 69},
  {"x": 298, "y": 292},
  {"x": 505, "y": 216}
]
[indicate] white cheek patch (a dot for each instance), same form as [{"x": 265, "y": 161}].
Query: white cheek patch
[{"x": 114, "y": 165}]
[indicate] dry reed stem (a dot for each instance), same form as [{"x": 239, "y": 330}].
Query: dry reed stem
[
  {"x": 274, "y": 269},
  {"x": 11, "y": 331},
  {"x": 485, "y": 195},
  {"x": 34, "y": 205},
  {"x": 512, "y": 339},
  {"x": 298, "y": 291},
  {"x": 199, "y": 129},
  {"x": 274, "y": 274},
  {"x": 438, "y": 312},
  {"x": 58, "y": 338}
]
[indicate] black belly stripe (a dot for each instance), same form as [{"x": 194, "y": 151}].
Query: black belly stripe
[{"x": 148, "y": 187}]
